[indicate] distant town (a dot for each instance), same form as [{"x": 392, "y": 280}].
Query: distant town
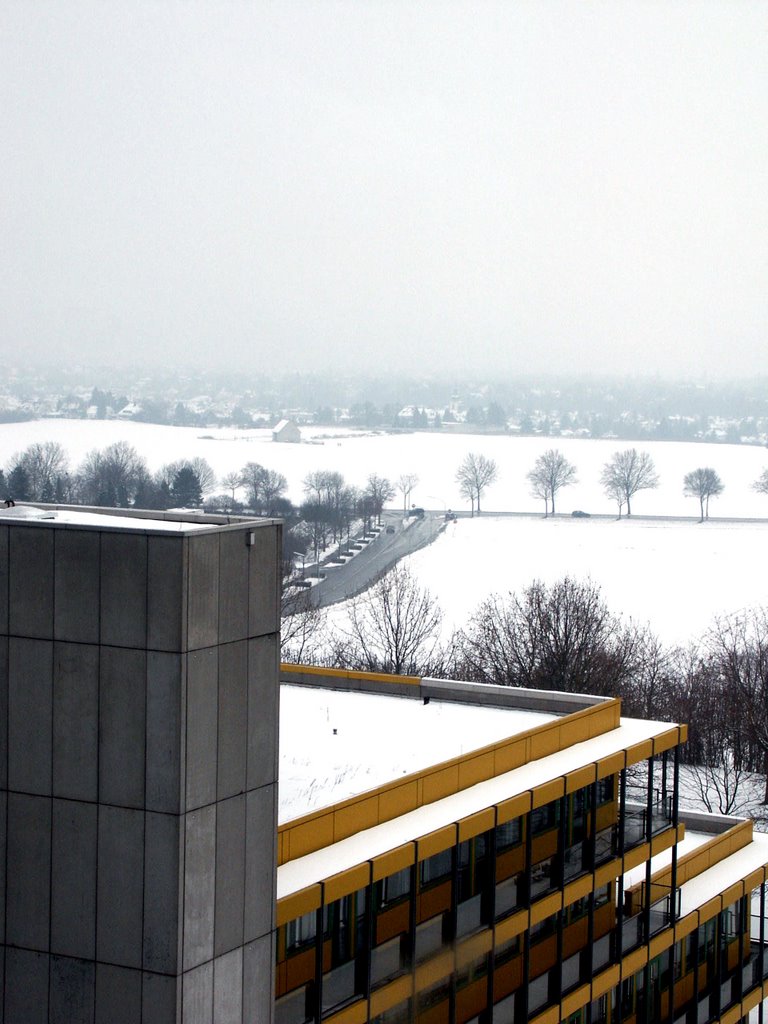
[{"x": 627, "y": 408}]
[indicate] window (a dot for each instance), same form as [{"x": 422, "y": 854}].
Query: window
[
  {"x": 602, "y": 895},
  {"x": 300, "y": 932},
  {"x": 509, "y": 834},
  {"x": 344, "y": 940},
  {"x": 605, "y": 790},
  {"x": 543, "y": 877},
  {"x": 393, "y": 888},
  {"x": 544, "y": 928},
  {"x": 545, "y": 818},
  {"x": 436, "y": 868}
]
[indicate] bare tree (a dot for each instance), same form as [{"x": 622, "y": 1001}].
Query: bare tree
[
  {"x": 738, "y": 647},
  {"x": 761, "y": 484},
  {"x": 703, "y": 483},
  {"x": 405, "y": 485},
  {"x": 43, "y": 463},
  {"x": 474, "y": 475},
  {"x": 302, "y": 627},
  {"x": 231, "y": 481},
  {"x": 625, "y": 474},
  {"x": 380, "y": 491},
  {"x": 265, "y": 487},
  {"x": 392, "y": 627},
  {"x": 111, "y": 476},
  {"x": 561, "y": 637},
  {"x": 551, "y": 472}
]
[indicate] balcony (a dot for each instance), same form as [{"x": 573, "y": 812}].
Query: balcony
[{"x": 638, "y": 827}]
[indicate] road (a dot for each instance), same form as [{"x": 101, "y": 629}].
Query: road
[{"x": 380, "y": 554}]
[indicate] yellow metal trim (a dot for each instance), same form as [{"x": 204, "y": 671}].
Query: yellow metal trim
[
  {"x": 388, "y": 863},
  {"x": 299, "y": 903}
]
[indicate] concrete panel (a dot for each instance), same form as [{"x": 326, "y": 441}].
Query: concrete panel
[
  {"x": 3, "y": 713},
  {"x": 3, "y": 586},
  {"x": 203, "y": 592},
  {"x": 30, "y": 585},
  {"x": 118, "y": 995},
  {"x": 162, "y": 883},
  {"x": 122, "y": 726},
  {"x": 166, "y": 598},
  {"x": 259, "y": 981},
  {"x": 260, "y": 861},
  {"x": 26, "y": 987},
  {"x": 233, "y": 719},
  {"x": 73, "y": 879},
  {"x": 264, "y": 584},
  {"x": 197, "y": 995},
  {"x": 201, "y": 730},
  {"x": 233, "y": 587},
  {"x": 75, "y": 721},
  {"x": 123, "y": 589},
  {"x": 28, "y": 871},
  {"x": 165, "y": 700},
  {"x": 228, "y": 988},
  {"x": 199, "y": 886},
  {"x": 161, "y": 999},
  {"x": 30, "y": 701},
  {"x": 73, "y": 991},
  {"x": 76, "y": 586},
  {"x": 230, "y": 874},
  {"x": 263, "y": 710},
  {"x": 120, "y": 891},
  {"x": 3, "y": 848}
]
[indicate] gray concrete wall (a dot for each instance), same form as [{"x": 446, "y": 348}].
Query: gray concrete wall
[{"x": 138, "y": 774}]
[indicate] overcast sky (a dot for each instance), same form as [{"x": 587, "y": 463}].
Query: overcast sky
[{"x": 428, "y": 186}]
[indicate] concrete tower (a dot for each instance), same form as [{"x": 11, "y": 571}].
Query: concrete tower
[{"x": 138, "y": 767}]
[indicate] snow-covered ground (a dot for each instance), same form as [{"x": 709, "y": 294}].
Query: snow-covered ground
[
  {"x": 676, "y": 576},
  {"x": 434, "y": 457}
]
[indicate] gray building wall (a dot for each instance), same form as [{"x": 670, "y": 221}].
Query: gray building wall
[{"x": 138, "y": 773}]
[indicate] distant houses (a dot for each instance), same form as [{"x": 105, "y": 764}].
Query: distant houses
[{"x": 287, "y": 432}]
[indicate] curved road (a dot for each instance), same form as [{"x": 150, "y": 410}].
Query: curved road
[{"x": 379, "y": 554}]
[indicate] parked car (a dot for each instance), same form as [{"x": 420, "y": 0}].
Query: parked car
[
  {"x": 416, "y": 513},
  {"x": 578, "y": 514},
  {"x": 390, "y": 529}
]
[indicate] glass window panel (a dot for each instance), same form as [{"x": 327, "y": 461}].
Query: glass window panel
[
  {"x": 545, "y": 818},
  {"x": 543, "y": 877},
  {"x": 509, "y": 834},
  {"x": 436, "y": 868}
]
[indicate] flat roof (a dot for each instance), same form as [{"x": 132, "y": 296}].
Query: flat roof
[
  {"x": 710, "y": 883},
  {"x": 373, "y": 842},
  {"x": 335, "y": 744},
  {"x": 146, "y": 521}
]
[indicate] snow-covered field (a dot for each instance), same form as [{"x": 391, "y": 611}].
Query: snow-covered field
[
  {"x": 677, "y": 576},
  {"x": 434, "y": 457}
]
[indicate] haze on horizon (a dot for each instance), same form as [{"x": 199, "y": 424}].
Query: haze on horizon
[{"x": 542, "y": 187}]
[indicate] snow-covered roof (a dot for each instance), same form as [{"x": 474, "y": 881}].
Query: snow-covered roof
[
  {"x": 338, "y": 743},
  {"x": 298, "y": 874},
  {"x": 688, "y": 844},
  {"x": 727, "y": 872},
  {"x": 103, "y": 520}
]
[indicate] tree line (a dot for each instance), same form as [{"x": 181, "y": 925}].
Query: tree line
[
  {"x": 562, "y": 636},
  {"x": 623, "y": 476}
]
